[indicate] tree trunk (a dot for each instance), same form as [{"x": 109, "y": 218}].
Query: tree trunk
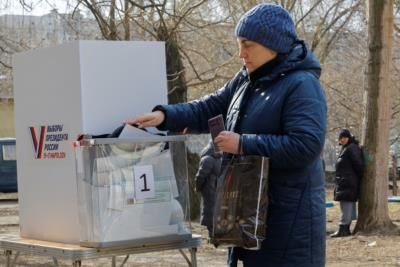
[
  {"x": 373, "y": 207},
  {"x": 127, "y": 28},
  {"x": 112, "y": 25},
  {"x": 177, "y": 93},
  {"x": 177, "y": 88},
  {"x": 394, "y": 175}
]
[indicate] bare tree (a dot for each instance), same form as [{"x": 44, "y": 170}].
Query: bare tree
[{"x": 373, "y": 207}]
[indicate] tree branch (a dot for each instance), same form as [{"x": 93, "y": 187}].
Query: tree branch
[{"x": 144, "y": 7}]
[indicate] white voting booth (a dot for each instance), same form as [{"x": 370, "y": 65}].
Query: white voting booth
[{"x": 84, "y": 87}]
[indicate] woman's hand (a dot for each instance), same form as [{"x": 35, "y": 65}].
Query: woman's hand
[
  {"x": 228, "y": 142},
  {"x": 152, "y": 119}
]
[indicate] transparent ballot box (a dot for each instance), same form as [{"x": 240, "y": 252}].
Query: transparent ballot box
[{"x": 132, "y": 191}]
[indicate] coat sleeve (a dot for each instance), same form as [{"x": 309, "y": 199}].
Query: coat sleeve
[
  {"x": 194, "y": 115},
  {"x": 303, "y": 120},
  {"x": 205, "y": 169}
]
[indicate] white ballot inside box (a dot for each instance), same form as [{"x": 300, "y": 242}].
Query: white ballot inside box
[{"x": 82, "y": 87}]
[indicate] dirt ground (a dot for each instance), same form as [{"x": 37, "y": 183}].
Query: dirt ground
[
  {"x": 348, "y": 251},
  {"x": 361, "y": 250}
]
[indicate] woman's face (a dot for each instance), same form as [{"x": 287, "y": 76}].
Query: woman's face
[
  {"x": 343, "y": 140},
  {"x": 253, "y": 54}
]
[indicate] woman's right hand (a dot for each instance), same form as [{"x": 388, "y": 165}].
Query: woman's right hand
[{"x": 152, "y": 119}]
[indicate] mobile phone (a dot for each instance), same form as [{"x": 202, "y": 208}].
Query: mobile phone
[{"x": 216, "y": 125}]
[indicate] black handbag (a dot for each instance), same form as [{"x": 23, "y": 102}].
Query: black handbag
[{"x": 240, "y": 210}]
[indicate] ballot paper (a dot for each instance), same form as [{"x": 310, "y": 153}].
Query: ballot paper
[{"x": 130, "y": 132}]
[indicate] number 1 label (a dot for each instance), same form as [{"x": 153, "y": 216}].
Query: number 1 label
[{"x": 144, "y": 181}]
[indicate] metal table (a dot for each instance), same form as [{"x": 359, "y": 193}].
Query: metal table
[{"x": 13, "y": 243}]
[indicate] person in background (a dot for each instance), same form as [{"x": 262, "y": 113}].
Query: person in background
[
  {"x": 273, "y": 107},
  {"x": 349, "y": 171},
  {"x": 206, "y": 183}
]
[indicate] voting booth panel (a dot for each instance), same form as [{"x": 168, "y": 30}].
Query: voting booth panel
[{"x": 60, "y": 92}]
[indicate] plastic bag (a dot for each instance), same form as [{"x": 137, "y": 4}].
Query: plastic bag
[{"x": 240, "y": 211}]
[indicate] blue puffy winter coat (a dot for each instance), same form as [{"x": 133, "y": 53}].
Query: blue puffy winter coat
[{"x": 284, "y": 119}]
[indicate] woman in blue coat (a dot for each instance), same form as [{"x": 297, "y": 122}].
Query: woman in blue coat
[{"x": 273, "y": 107}]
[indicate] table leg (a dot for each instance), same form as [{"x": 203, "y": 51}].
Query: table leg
[
  {"x": 114, "y": 261},
  {"x": 8, "y": 258},
  {"x": 193, "y": 252},
  {"x": 13, "y": 263},
  {"x": 185, "y": 257},
  {"x": 77, "y": 263},
  {"x": 125, "y": 260},
  {"x": 55, "y": 261},
  {"x": 10, "y": 263}
]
